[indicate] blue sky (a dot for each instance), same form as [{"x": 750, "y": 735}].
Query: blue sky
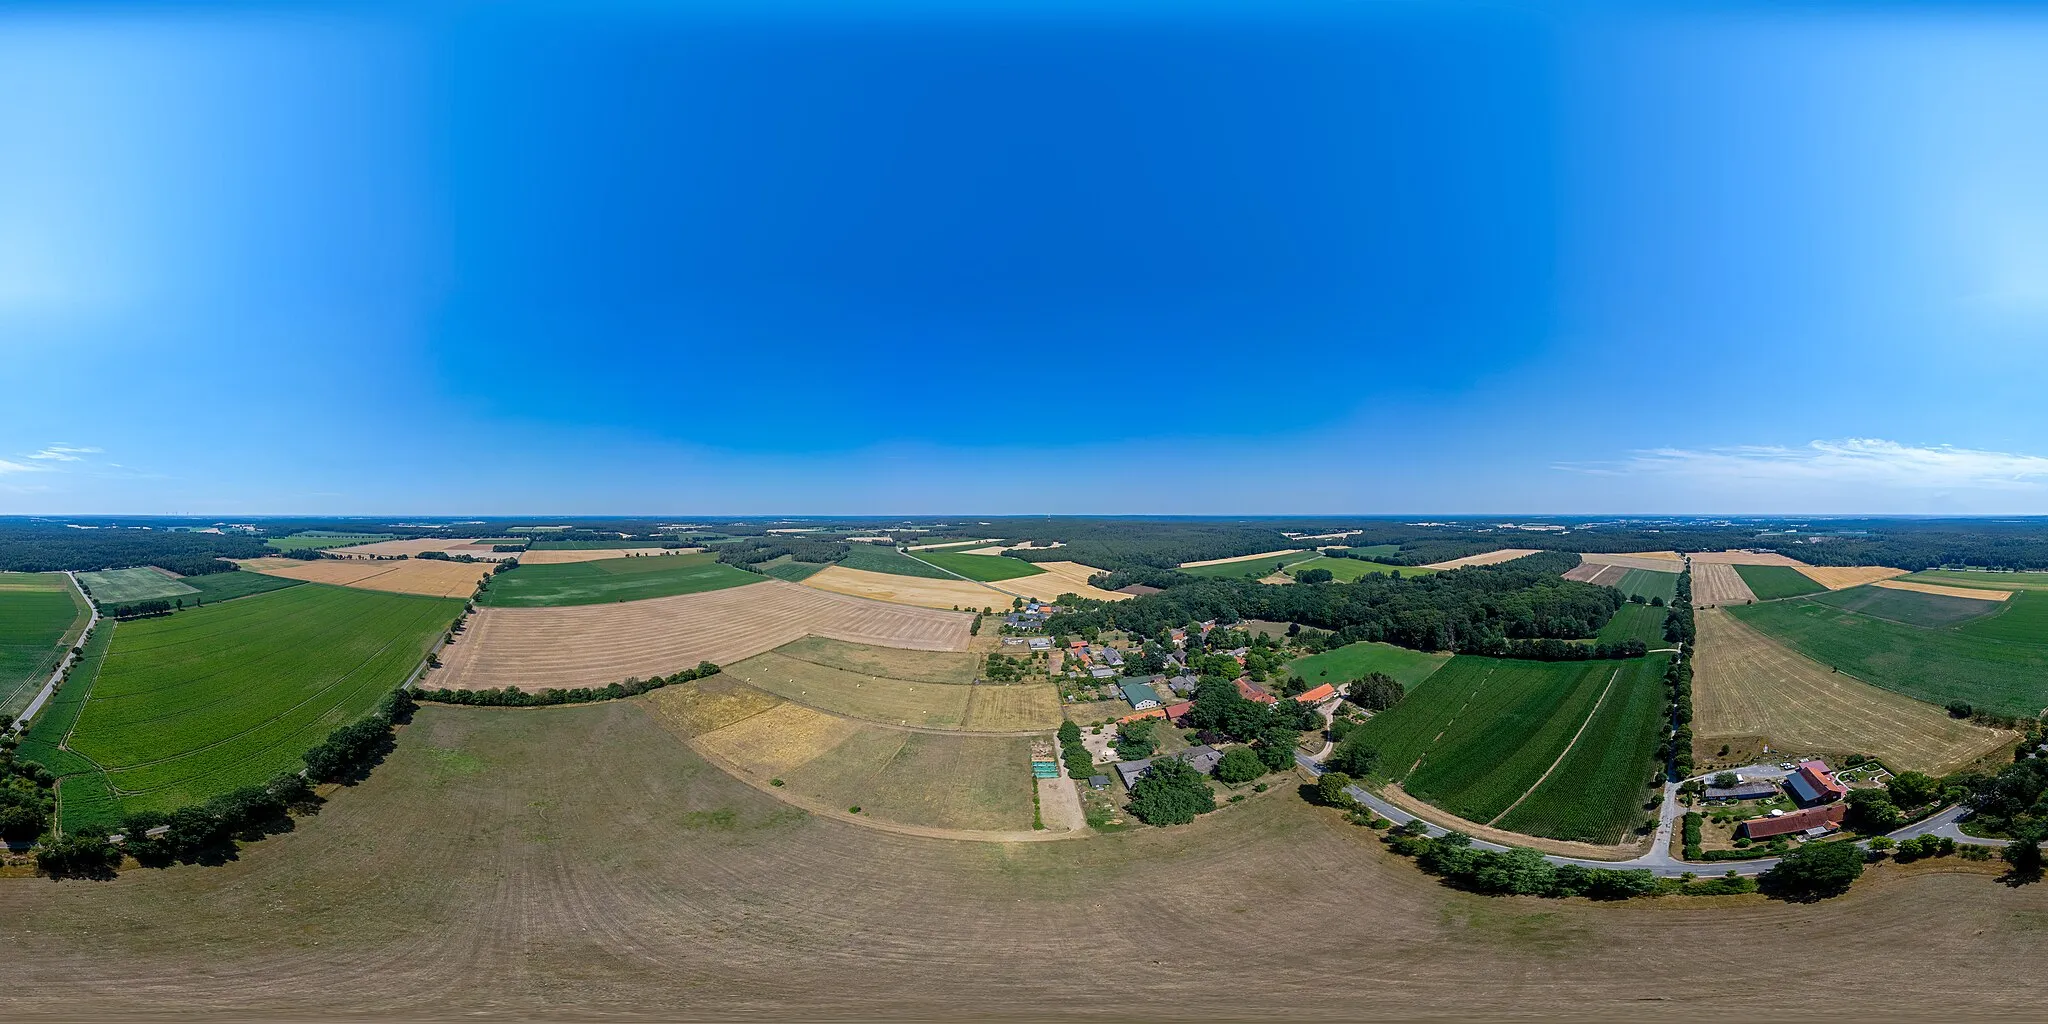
[{"x": 1009, "y": 258}]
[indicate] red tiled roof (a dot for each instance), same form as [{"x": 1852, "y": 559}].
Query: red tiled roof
[
  {"x": 1797, "y": 821},
  {"x": 1176, "y": 712},
  {"x": 1253, "y": 691},
  {"x": 1816, "y": 773},
  {"x": 1147, "y": 713},
  {"x": 1317, "y": 695}
]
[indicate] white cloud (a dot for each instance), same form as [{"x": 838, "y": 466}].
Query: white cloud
[
  {"x": 65, "y": 453},
  {"x": 1856, "y": 460},
  {"x": 16, "y": 467}
]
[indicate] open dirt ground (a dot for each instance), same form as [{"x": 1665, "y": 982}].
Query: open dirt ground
[
  {"x": 1717, "y": 583},
  {"x": 1240, "y": 558},
  {"x": 595, "y": 644},
  {"x": 1842, "y": 577},
  {"x": 912, "y": 590},
  {"x": 1489, "y": 558},
  {"x": 1746, "y": 685},
  {"x": 597, "y": 555},
  {"x": 1061, "y": 578},
  {"x": 581, "y": 862},
  {"x": 1969, "y": 593},
  {"x": 400, "y": 576}
]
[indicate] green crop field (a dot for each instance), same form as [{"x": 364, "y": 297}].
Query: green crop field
[
  {"x": 124, "y": 586},
  {"x": 1476, "y": 735},
  {"x": 1636, "y": 622},
  {"x": 877, "y": 558},
  {"x": 222, "y": 586},
  {"x": 985, "y": 568},
  {"x": 1255, "y": 568},
  {"x": 1983, "y": 580},
  {"x": 195, "y": 704},
  {"x": 1998, "y": 663},
  {"x": 1356, "y": 661},
  {"x": 1348, "y": 570},
  {"x": 1596, "y": 794},
  {"x": 1649, "y": 583},
  {"x": 1770, "y": 582},
  {"x": 1910, "y": 606},
  {"x": 612, "y": 579},
  {"x": 301, "y": 541},
  {"x": 83, "y": 798},
  {"x": 965, "y": 545},
  {"x": 40, "y": 617},
  {"x": 783, "y": 567}
]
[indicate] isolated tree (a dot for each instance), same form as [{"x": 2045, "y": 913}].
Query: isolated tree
[
  {"x": 1815, "y": 871},
  {"x": 1354, "y": 756},
  {"x": 2023, "y": 854},
  {"x": 1171, "y": 792},
  {"x": 1330, "y": 789},
  {"x": 1239, "y": 766},
  {"x": 1725, "y": 780},
  {"x": 1376, "y": 692}
]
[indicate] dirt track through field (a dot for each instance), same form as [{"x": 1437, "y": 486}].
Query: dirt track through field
[
  {"x": 1489, "y": 558},
  {"x": 592, "y": 645},
  {"x": 1717, "y": 583},
  {"x": 1746, "y": 685},
  {"x": 582, "y": 862},
  {"x": 432, "y": 577},
  {"x": 1968, "y": 593}
]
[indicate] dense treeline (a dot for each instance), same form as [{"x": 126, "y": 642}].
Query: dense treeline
[
  {"x": 1113, "y": 544},
  {"x": 27, "y": 546},
  {"x": 514, "y": 697},
  {"x": 749, "y": 553},
  {"x": 1678, "y": 629},
  {"x": 1478, "y": 610}
]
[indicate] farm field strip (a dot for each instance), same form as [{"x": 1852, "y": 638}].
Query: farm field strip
[
  {"x": 83, "y": 798},
  {"x": 1945, "y": 590},
  {"x": 611, "y": 580},
  {"x": 1264, "y": 565},
  {"x": 1773, "y": 582},
  {"x": 300, "y": 541},
  {"x": 1242, "y": 558},
  {"x": 1911, "y": 607},
  {"x": 41, "y": 617},
  {"x": 424, "y": 577},
  {"x": 1733, "y": 557},
  {"x": 1655, "y": 561},
  {"x": 592, "y": 645},
  {"x": 1487, "y": 558},
  {"x": 2024, "y": 620},
  {"x": 1648, "y": 583},
  {"x": 1063, "y": 578},
  {"x": 1841, "y": 577},
  {"x": 409, "y": 548},
  {"x": 1996, "y": 663},
  {"x": 552, "y": 556},
  {"x": 226, "y": 586},
  {"x": 982, "y": 568},
  {"x": 1636, "y": 622},
  {"x": 1747, "y": 685},
  {"x": 928, "y": 592},
  {"x": 1595, "y": 792},
  {"x": 1350, "y": 570},
  {"x": 1356, "y": 661},
  {"x": 1985, "y": 579},
  {"x": 124, "y": 586},
  {"x": 1716, "y": 583},
  {"x": 888, "y": 561},
  {"x": 906, "y": 703},
  {"x": 196, "y": 704}
]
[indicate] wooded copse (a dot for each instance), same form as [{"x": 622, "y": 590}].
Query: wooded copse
[{"x": 749, "y": 553}]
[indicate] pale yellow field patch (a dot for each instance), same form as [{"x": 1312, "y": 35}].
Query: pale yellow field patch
[
  {"x": 432, "y": 577},
  {"x": 598, "y": 555},
  {"x": 1717, "y": 583},
  {"x": 1655, "y": 561},
  {"x": 1842, "y": 577},
  {"x": 707, "y": 705},
  {"x": 1489, "y": 558},
  {"x": 1745, "y": 558},
  {"x": 405, "y": 547},
  {"x": 1971, "y": 593},
  {"x": 914, "y": 590},
  {"x": 782, "y": 738},
  {"x": 1240, "y": 558},
  {"x": 1061, "y": 578},
  {"x": 950, "y": 543}
]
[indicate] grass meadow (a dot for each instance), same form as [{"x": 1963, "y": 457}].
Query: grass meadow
[
  {"x": 878, "y": 558},
  {"x": 1649, "y": 583},
  {"x": 189, "y": 706},
  {"x": 982, "y": 568},
  {"x": 83, "y": 799},
  {"x": 38, "y": 612},
  {"x": 1771, "y": 582},
  {"x": 1997, "y": 663},
  {"x": 1348, "y": 570},
  {"x": 125, "y": 586},
  {"x": 1256, "y": 568},
  {"x": 223, "y": 586},
  {"x": 1910, "y": 607},
  {"x": 1636, "y": 622},
  {"x": 1356, "y": 661},
  {"x": 612, "y": 579}
]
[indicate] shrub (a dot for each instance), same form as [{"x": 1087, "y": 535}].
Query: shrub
[{"x": 1239, "y": 766}]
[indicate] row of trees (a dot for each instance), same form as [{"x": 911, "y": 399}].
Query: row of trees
[
  {"x": 1678, "y": 629},
  {"x": 514, "y": 697}
]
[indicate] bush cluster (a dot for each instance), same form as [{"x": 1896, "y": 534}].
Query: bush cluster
[{"x": 514, "y": 697}]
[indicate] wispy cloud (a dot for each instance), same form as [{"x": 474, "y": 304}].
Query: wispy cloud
[
  {"x": 17, "y": 467},
  {"x": 65, "y": 453},
  {"x": 1855, "y": 460}
]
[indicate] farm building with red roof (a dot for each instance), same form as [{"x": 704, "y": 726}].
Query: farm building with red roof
[{"x": 1826, "y": 816}]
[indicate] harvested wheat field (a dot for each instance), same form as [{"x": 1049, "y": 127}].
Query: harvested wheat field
[
  {"x": 914, "y": 590},
  {"x": 1489, "y": 558},
  {"x": 1241, "y": 558},
  {"x": 1745, "y": 558},
  {"x": 405, "y": 547},
  {"x": 595, "y": 644},
  {"x": 1746, "y": 685},
  {"x": 505, "y": 863},
  {"x": 1061, "y": 578},
  {"x": 1968, "y": 593},
  {"x": 950, "y": 543},
  {"x": 598, "y": 555},
  {"x": 908, "y": 703},
  {"x": 1717, "y": 583},
  {"x": 1842, "y": 577},
  {"x": 1597, "y": 573},
  {"x": 1655, "y": 561},
  {"x": 431, "y": 577}
]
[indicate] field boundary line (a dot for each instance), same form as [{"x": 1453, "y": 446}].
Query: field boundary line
[{"x": 1566, "y": 752}]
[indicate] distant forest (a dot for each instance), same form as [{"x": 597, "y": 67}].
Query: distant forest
[{"x": 27, "y": 546}]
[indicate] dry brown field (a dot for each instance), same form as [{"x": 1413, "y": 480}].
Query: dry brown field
[
  {"x": 595, "y": 644},
  {"x": 580, "y": 862},
  {"x": 1717, "y": 583},
  {"x": 1018, "y": 707},
  {"x": 1970, "y": 593},
  {"x": 1655, "y": 561},
  {"x": 1745, "y": 558},
  {"x": 913, "y": 590},
  {"x": 1061, "y": 578},
  {"x": 398, "y": 576},
  {"x": 894, "y": 662},
  {"x": 404, "y": 547},
  {"x": 1240, "y": 558},
  {"x": 1842, "y": 577},
  {"x": 597, "y": 555},
  {"x": 1746, "y": 686},
  {"x": 1489, "y": 558}
]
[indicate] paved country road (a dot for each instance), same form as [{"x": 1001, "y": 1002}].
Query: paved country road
[{"x": 43, "y": 695}]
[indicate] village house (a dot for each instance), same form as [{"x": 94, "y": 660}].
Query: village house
[
  {"x": 1812, "y": 822},
  {"x": 1253, "y": 691},
  {"x": 1317, "y": 695},
  {"x": 1141, "y": 696},
  {"x": 1812, "y": 783}
]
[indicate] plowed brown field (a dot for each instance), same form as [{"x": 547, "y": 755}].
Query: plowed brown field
[
  {"x": 595, "y": 644},
  {"x": 1745, "y": 685},
  {"x": 398, "y": 576},
  {"x": 1717, "y": 583},
  {"x": 582, "y": 862}
]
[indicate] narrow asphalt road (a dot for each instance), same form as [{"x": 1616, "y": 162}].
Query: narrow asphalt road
[{"x": 50, "y": 687}]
